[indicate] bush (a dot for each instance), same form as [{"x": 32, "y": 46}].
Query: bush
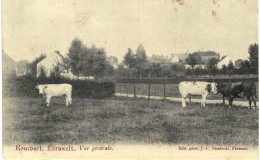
[{"x": 25, "y": 87}]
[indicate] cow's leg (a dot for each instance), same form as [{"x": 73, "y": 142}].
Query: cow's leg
[
  {"x": 230, "y": 99},
  {"x": 249, "y": 101},
  {"x": 48, "y": 99},
  {"x": 190, "y": 98},
  {"x": 183, "y": 101},
  {"x": 224, "y": 104},
  {"x": 69, "y": 99},
  {"x": 203, "y": 99},
  {"x": 254, "y": 100}
]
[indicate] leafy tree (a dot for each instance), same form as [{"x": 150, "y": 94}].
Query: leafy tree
[
  {"x": 212, "y": 66},
  {"x": 129, "y": 60},
  {"x": 156, "y": 69},
  {"x": 65, "y": 64},
  {"x": 188, "y": 72},
  {"x": 224, "y": 69},
  {"x": 253, "y": 57},
  {"x": 178, "y": 68},
  {"x": 100, "y": 64},
  {"x": 198, "y": 71},
  {"x": 75, "y": 56},
  {"x": 141, "y": 59},
  {"x": 166, "y": 71},
  {"x": 245, "y": 67},
  {"x": 42, "y": 74},
  {"x": 121, "y": 71},
  {"x": 193, "y": 59},
  {"x": 87, "y": 61},
  {"x": 56, "y": 71},
  {"x": 230, "y": 69}
]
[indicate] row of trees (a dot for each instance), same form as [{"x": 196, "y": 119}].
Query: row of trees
[
  {"x": 138, "y": 64},
  {"x": 178, "y": 70},
  {"x": 80, "y": 60}
]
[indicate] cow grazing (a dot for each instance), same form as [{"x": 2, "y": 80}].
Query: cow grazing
[
  {"x": 238, "y": 90},
  {"x": 50, "y": 90},
  {"x": 196, "y": 88}
]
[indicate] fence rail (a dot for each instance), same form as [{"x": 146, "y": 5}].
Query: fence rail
[
  {"x": 179, "y": 79},
  {"x": 137, "y": 89},
  {"x": 162, "y": 90}
]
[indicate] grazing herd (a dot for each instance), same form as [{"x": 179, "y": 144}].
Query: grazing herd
[{"x": 230, "y": 91}]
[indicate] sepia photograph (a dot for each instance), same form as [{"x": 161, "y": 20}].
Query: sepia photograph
[{"x": 130, "y": 79}]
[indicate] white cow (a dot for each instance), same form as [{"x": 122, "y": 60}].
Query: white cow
[
  {"x": 49, "y": 90},
  {"x": 196, "y": 88}
]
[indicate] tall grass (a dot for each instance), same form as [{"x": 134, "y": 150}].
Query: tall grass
[{"x": 131, "y": 121}]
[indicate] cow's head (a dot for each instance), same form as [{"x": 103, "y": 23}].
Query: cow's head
[
  {"x": 41, "y": 88},
  {"x": 212, "y": 88},
  {"x": 221, "y": 87}
]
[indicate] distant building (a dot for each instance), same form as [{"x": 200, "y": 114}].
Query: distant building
[
  {"x": 8, "y": 66},
  {"x": 50, "y": 62},
  {"x": 207, "y": 55},
  {"x": 225, "y": 61},
  {"x": 113, "y": 61},
  {"x": 238, "y": 63},
  {"x": 176, "y": 58},
  {"x": 21, "y": 68},
  {"x": 202, "y": 66},
  {"x": 161, "y": 59}
]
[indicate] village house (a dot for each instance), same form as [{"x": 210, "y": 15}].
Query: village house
[
  {"x": 176, "y": 58},
  {"x": 53, "y": 59},
  {"x": 8, "y": 66},
  {"x": 161, "y": 59},
  {"x": 207, "y": 55},
  {"x": 224, "y": 61},
  {"x": 49, "y": 62},
  {"x": 21, "y": 68}
]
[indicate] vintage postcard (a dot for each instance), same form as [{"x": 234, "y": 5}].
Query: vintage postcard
[{"x": 130, "y": 79}]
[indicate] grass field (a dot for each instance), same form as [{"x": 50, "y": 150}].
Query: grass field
[
  {"x": 171, "y": 90},
  {"x": 131, "y": 121}
]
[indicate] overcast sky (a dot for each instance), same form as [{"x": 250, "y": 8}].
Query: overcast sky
[{"x": 32, "y": 27}]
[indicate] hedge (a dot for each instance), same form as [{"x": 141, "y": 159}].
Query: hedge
[{"x": 25, "y": 87}]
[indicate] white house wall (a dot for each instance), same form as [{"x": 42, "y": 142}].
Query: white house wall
[{"x": 48, "y": 63}]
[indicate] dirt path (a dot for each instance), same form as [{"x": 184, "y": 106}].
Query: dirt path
[{"x": 238, "y": 103}]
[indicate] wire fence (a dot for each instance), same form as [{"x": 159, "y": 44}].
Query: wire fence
[{"x": 160, "y": 90}]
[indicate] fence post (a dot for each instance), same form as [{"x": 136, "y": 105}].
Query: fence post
[
  {"x": 134, "y": 91},
  {"x": 126, "y": 90},
  {"x": 164, "y": 91},
  {"x": 120, "y": 90},
  {"x": 149, "y": 91}
]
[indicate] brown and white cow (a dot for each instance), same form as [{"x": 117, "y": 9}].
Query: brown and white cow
[{"x": 196, "y": 88}]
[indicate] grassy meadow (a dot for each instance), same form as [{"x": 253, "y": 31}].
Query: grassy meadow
[
  {"x": 125, "y": 120},
  {"x": 171, "y": 90}
]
